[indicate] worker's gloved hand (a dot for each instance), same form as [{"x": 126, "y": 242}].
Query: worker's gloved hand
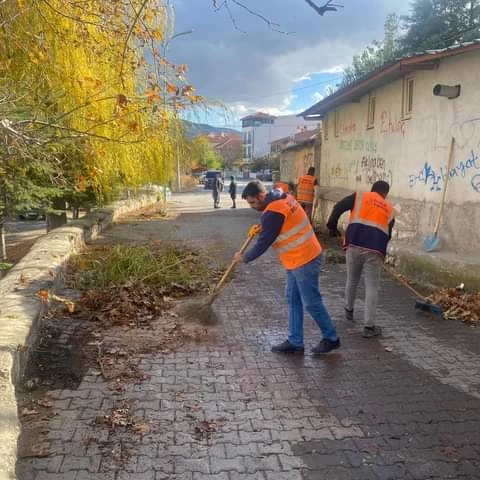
[
  {"x": 333, "y": 232},
  {"x": 254, "y": 230}
]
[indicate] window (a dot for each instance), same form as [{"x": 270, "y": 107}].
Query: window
[
  {"x": 325, "y": 127},
  {"x": 371, "y": 112},
  {"x": 408, "y": 87},
  {"x": 336, "y": 125}
]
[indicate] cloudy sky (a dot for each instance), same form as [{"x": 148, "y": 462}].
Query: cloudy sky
[{"x": 253, "y": 67}]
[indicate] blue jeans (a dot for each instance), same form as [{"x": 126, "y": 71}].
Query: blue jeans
[{"x": 302, "y": 292}]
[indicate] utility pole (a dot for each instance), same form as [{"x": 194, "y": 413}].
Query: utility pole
[{"x": 165, "y": 47}]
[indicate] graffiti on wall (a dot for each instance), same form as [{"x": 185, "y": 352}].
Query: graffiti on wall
[
  {"x": 347, "y": 128},
  {"x": 476, "y": 182},
  {"x": 308, "y": 159},
  {"x": 391, "y": 124},
  {"x": 373, "y": 168},
  {"x": 435, "y": 179},
  {"x": 358, "y": 145},
  {"x": 466, "y": 134}
]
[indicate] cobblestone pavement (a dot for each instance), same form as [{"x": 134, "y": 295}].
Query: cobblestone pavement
[{"x": 406, "y": 406}]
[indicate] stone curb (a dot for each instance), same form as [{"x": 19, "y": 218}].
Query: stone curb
[{"x": 21, "y": 309}]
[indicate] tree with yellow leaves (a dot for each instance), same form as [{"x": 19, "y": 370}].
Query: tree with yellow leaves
[{"x": 87, "y": 101}]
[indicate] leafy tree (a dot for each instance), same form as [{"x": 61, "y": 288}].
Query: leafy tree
[
  {"x": 88, "y": 100},
  {"x": 434, "y": 24},
  {"x": 376, "y": 54},
  {"x": 202, "y": 154},
  {"x": 267, "y": 162},
  {"x": 431, "y": 24}
]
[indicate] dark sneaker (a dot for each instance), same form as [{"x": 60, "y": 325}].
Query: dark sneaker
[
  {"x": 349, "y": 315},
  {"x": 371, "y": 331},
  {"x": 287, "y": 347},
  {"x": 326, "y": 346}
]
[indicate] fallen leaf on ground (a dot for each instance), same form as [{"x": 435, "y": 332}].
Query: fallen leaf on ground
[
  {"x": 142, "y": 428},
  {"x": 205, "y": 429},
  {"x": 29, "y": 411},
  {"x": 43, "y": 294}
]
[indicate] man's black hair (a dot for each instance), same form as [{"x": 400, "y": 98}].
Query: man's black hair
[
  {"x": 253, "y": 189},
  {"x": 311, "y": 171},
  {"x": 381, "y": 187}
]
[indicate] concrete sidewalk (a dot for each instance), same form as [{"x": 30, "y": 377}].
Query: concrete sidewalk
[{"x": 405, "y": 406}]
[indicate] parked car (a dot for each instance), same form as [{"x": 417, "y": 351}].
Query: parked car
[
  {"x": 32, "y": 214},
  {"x": 210, "y": 177}
]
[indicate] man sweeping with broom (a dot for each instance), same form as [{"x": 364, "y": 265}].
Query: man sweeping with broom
[
  {"x": 286, "y": 228},
  {"x": 368, "y": 233}
]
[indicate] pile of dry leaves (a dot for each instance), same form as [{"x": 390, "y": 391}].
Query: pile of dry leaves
[
  {"x": 129, "y": 305},
  {"x": 458, "y": 304}
]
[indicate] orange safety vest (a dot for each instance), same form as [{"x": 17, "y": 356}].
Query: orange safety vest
[
  {"x": 284, "y": 186},
  {"x": 296, "y": 244},
  {"x": 306, "y": 189},
  {"x": 369, "y": 222}
]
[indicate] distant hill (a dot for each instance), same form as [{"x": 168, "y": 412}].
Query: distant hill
[{"x": 193, "y": 129}]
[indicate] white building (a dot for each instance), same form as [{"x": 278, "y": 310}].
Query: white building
[{"x": 260, "y": 130}]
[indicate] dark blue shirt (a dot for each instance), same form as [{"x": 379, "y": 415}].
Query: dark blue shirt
[{"x": 272, "y": 223}]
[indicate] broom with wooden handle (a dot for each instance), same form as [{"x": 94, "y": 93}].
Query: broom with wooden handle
[
  {"x": 432, "y": 242},
  {"x": 201, "y": 309}
]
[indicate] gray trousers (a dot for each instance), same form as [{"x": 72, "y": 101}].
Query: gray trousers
[{"x": 370, "y": 263}]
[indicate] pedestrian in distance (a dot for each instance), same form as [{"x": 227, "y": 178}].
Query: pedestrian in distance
[
  {"x": 285, "y": 227},
  {"x": 232, "y": 190},
  {"x": 368, "y": 233},
  {"x": 306, "y": 191},
  {"x": 217, "y": 188}
]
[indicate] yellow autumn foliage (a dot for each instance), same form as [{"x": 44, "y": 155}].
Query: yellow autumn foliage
[{"x": 80, "y": 69}]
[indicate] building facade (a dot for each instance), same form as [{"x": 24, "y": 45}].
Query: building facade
[
  {"x": 260, "y": 130},
  {"x": 396, "y": 125},
  {"x": 297, "y": 153}
]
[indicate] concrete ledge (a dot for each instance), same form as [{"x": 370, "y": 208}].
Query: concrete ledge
[
  {"x": 445, "y": 268},
  {"x": 21, "y": 309},
  {"x": 436, "y": 269}
]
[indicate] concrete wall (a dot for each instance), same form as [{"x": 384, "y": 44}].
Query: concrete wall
[
  {"x": 295, "y": 162},
  {"x": 411, "y": 152},
  {"x": 21, "y": 309}
]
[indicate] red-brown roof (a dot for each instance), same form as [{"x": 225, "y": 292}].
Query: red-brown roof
[
  {"x": 219, "y": 141},
  {"x": 299, "y": 137},
  {"x": 427, "y": 60},
  {"x": 258, "y": 115}
]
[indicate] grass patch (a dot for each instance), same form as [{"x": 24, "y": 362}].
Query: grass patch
[{"x": 155, "y": 265}]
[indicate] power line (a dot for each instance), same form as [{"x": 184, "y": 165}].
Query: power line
[{"x": 294, "y": 89}]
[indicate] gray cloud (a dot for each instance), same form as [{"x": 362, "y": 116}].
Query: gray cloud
[{"x": 246, "y": 68}]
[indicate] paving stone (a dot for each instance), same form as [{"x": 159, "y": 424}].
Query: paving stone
[
  {"x": 361, "y": 413},
  {"x": 236, "y": 464}
]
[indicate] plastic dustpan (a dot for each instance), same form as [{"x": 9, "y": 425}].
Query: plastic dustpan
[{"x": 431, "y": 243}]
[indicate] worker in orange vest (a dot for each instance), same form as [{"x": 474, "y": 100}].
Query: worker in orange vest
[
  {"x": 286, "y": 228},
  {"x": 306, "y": 191},
  {"x": 368, "y": 233},
  {"x": 283, "y": 186}
]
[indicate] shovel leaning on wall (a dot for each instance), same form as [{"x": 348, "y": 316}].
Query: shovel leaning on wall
[{"x": 431, "y": 243}]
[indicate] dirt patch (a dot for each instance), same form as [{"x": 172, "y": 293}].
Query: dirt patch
[
  {"x": 61, "y": 356},
  {"x": 154, "y": 211}
]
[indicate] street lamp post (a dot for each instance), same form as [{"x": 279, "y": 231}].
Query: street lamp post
[{"x": 165, "y": 47}]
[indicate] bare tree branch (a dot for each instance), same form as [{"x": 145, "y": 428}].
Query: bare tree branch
[
  {"x": 130, "y": 30},
  {"x": 327, "y": 7},
  {"x": 226, "y": 4}
]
